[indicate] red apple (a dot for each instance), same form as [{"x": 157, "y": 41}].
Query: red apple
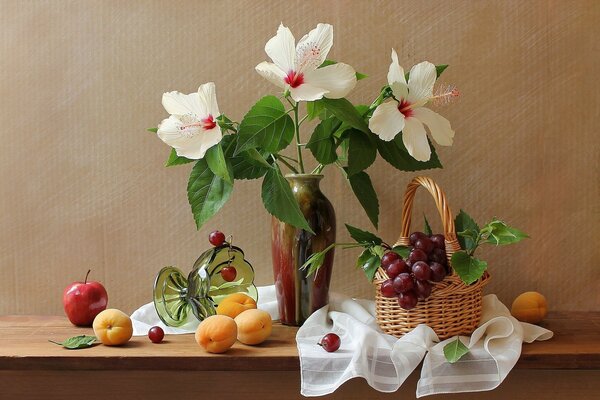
[{"x": 84, "y": 300}]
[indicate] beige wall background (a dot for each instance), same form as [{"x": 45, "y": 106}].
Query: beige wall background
[{"x": 82, "y": 184}]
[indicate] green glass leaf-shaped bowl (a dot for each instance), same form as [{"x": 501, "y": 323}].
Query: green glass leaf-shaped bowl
[{"x": 177, "y": 298}]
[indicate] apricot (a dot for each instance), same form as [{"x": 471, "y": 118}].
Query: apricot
[
  {"x": 217, "y": 333},
  {"x": 234, "y": 304},
  {"x": 529, "y": 307},
  {"x": 254, "y": 326},
  {"x": 113, "y": 327}
]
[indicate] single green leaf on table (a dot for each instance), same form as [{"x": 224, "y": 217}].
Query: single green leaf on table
[
  {"x": 363, "y": 237},
  {"x": 499, "y": 233},
  {"x": 266, "y": 125},
  {"x": 280, "y": 202},
  {"x": 366, "y": 195},
  {"x": 77, "y": 342},
  {"x": 369, "y": 263},
  {"x": 427, "y": 227},
  {"x": 322, "y": 144},
  {"x": 153, "y": 130},
  {"x": 174, "y": 159},
  {"x": 468, "y": 268},
  {"x": 467, "y": 231},
  {"x": 207, "y": 193},
  {"x": 397, "y": 156},
  {"x": 455, "y": 350},
  {"x": 402, "y": 251},
  {"x": 218, "y": 164},
  {"x": 345, "y": 111},
  {"x": 362, "y": 151}
]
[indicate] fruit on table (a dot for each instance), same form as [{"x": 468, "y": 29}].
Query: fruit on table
[
  {"x": 217, "y": 333},
  {"x": 82, "y": 301},
  {"x": 216, "y": 238},
  {"x": 530, "y": 307},
  {"x": 235, "y": 304},
  {"x": 330, "y": 342},
  {"x": 156, "y": 334},
  {"x": 254, "y": 326},
  {"x": 113, "y": 327}
]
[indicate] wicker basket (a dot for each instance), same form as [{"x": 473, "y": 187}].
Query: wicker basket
[{"x": 453, "y": 307}]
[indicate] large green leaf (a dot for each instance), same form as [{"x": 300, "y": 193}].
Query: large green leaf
[
  {"x": 345, "y": 111},
  {"x": 215, "y": 158},
  {"x": 362, "y": 151},
  {"x": 396, "y": 154},
  {"x": 266, "y": 125},
  {"x": 280, "y": 202},
  {"x": 363, "y": 237},
  {"x": 245, "y": 165},
  {"x": 467, "y": 267},
  {"x": 322, "y": 142},
  {"x": 369, "y": 263},
  {"x": 365, "y": 193},
  {"x": 207, "y": 193},
  {"x": 454, "y": 350},
  {"x": 174, "y": 159},
  {"x": 467, "y": 231}
]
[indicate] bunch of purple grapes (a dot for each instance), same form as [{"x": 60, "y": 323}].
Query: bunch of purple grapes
[{"x": 410, "y": 279}]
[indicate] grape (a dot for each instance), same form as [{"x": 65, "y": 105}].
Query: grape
[
  {"x": 403, "y": 283},
  {"x": 330, "y": 342},
  {"x": 438, "y": 272},
  {"x": 416, "y": 236},
  {"x": 387, "y": 289},
  {"x": 423, "y": 289},
  {"x": 421, "y": 271},
  {"x": 417, "y": 255},
  {"x": 216, "y": 238},
  {"x": 438, "y": 256},
  {"x": 156, "y": 334},
  {"x": 424, "y": 244},
  {"x": 388, "y": 258},
  {"x": 438, "y": 241},
  {"x": 396, "y": 268},
  {"x": 408, "y": 300}
]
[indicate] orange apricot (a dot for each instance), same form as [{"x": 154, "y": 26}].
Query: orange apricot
[
  {"x": 254, "y": 326},
  {"x": 216, "y": 334},
  {"x": 234, "y": 304},
  {"x": 530, "y": 307}
]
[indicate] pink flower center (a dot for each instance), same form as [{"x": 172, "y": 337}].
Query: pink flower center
[
  {"x": 208, "y": 123},
  {"x": 191, "y": 126},
  {"x": 405, "y": 108},
  {"x": 294, "y": 79}
]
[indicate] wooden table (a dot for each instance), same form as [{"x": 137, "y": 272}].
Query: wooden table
[{"x": 33, "y": 368}]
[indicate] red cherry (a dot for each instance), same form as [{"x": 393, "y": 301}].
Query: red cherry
[
  {"x": 228, "y": 274},
  {"x": 156, "y": 334},
  {"x": 330, "y": 342},
  {"x": 216, "y": 238}
]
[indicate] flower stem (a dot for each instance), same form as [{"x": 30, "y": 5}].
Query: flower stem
[
  {"x": 297, "y": 135},
  {"x": 287, "y": 164}
]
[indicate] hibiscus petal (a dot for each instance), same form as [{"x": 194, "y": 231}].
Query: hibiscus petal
[
  {"x": 176, "y": 103},
  {"x": 420, "y": 82},
  {"x": 313, "y": 48},
  {"x": 387, "y": 121},
  {"x": 415, "y": 140},
  {"x": 282, "y": 48},
  {"x": 439, "y": 127},
  {"x": 208, "y": 100},
  {"x": 306, "y": 92},
  {"x": 272, "y": 73},
  {"x": 192, "y": 147},
  {"x": 400, "y": 90},
  {"x": 338, "y": 79},
  {"x": 395, "y": 73}
]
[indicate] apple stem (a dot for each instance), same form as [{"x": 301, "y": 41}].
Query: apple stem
[{"x": 86, "y": 276}]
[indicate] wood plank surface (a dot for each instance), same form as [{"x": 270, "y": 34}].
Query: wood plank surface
[{"x": 25, "y": 346}]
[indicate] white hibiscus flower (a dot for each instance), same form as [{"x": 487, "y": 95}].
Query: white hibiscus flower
[
  {"x": 407, "y": 113},
  {"x": 192, "y": 127},
  {"x": 295, "y": 68}
]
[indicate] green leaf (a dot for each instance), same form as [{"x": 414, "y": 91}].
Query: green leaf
[
  {"x": 245, "y": 165},
  {"x": 360, "y": 76},
  {"x": 174, "y": 159},
  {"x": 154, "y": 130},
  {"x": 427, "y": 227},
  {"x": 322, "y": 144},
  {"x": 466, "y": 227},
  {"x": 207, "y": 193},
  {"x": 316, "y": 260},
  {"x": 499, "y": 233},
  {"x": 225, "y": 123},
  {"x": 258, "y": 159},
  {"x": 218, "y": 165},
  {"x": 467, "y": 267},
  {"x": 377, "y": 250},
  {"x": 440, "y": 68},
  {"x": 362, "y": 151},
  {"x": 77, "y": 342},
  {"x": 396, "y": 155},
  {"x": 369, "y": 263},
  {"x": 363, "y": 237},
  {"x": 345, "y": 111},
  {"x": 266, "y": 125},
  {"x": 365, "y": 193},
  {"x": 313, "y": 109},
  {"x": 280, "y": 202},
  {"x": 402, "y": 251},
  {"x": 454, "y": 350}
]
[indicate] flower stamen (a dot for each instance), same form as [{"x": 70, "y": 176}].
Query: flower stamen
[
  {"x": 191, "y": 129},
  {"x": 445, "y": 95}
]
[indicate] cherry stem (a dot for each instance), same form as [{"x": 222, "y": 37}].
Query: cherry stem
[{"x": 86, "y": 276}]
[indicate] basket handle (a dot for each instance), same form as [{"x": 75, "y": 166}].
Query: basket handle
[{"x": 439, "y": 197}]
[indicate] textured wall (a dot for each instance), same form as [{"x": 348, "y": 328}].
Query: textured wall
[{"x": 82, "y": 183}]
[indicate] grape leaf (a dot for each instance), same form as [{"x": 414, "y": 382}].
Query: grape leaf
[
  {"x": 207, "y": 193},
  {"x": 454, "y": 350},
  {"x": 363, "y": 237},
  {"x": 369, "y": 263},
  {"x": 174, "y": 159},
  {"x": 402, "y": 251},
  {"x": 76, "y": 342},
  {"x": 467, "y": 231},
  {"x": 365, "y": 193},
  {"x": 427, "y": 227},
  {"x": 467, "y": 267},
  {"x": 499, "y": 233}
]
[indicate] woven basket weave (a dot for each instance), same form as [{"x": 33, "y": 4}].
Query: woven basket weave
[{"x": 453, "y": 307}]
